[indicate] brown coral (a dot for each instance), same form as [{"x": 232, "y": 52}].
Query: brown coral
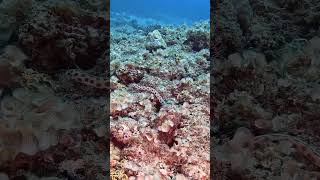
[{"x": 129, "y": 74}]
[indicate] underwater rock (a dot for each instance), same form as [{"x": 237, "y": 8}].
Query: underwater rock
[
  {"x": 7, "y": 28},
  {"x": 167, "y": 124},
  {"x": 11, "y": 63},
  {"x": 12, "y": 13},
  {"x": 15, "y": 57},
  {"x": 56, "y": 36},
  {"x": 300, "y": 59},
  {"x": 7, "y": 77},
  {"x": 129, "y": 74},
  {"x": 198, "y": 40},
  {"x": 122, "y": 102},
  {"x": 155, "y": 41},
  {"x": 32, "y": 119},
  {"x": 15, "y": 8}
]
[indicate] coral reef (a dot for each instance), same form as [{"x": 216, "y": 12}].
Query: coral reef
[
  {"x": 265, "y": 80},
  {"x": 60, "y": 35},
  {"x": 53, "y": 90},
  {"x": 159, "y": 109},
  {"x": 197, "y": 40},
  {"x": 265, "y": 26},
  {"x": 12, "y": 14}
]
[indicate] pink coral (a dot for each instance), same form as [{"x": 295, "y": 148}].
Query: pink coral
[{"x": 167, "y": 123}]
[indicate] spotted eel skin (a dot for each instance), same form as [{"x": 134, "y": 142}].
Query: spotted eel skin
[
  {"x": 150, "y": 90},
  {"x": 87, "y": 79},
  {"x": 302, "y": 147},
  {"x": 100, "y": 83}
]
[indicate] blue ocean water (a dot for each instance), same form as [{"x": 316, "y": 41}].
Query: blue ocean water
[{"x": 164, "y": 11}]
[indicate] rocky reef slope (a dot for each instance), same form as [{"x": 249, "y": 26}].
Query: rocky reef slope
[
  {"x": 265, "y": 89},
  {"x": 159, "y": 118},
  {"x": 52, "y": 125}
]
